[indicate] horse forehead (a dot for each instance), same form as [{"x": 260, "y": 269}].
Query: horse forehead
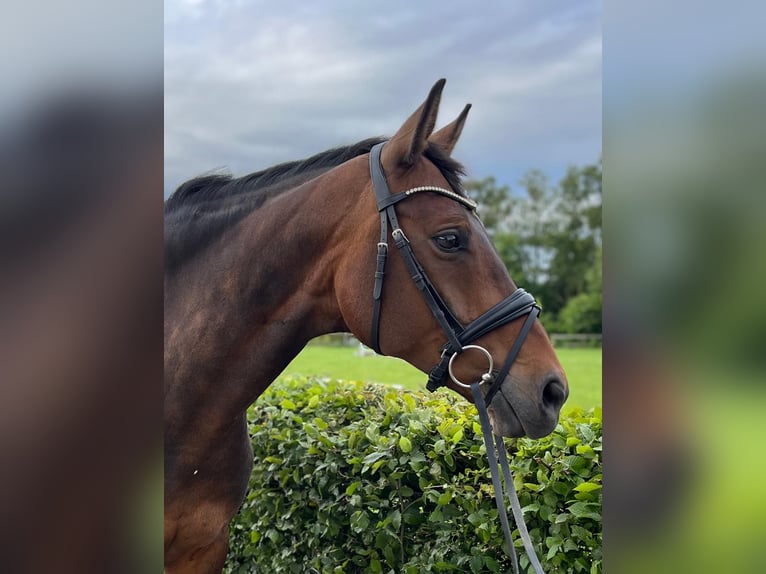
[
  {"x": 422, "y": 173},
  {"x": 435, "y": 205}
]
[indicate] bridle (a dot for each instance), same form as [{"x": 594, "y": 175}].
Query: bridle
[{"x": 459, "y": 337}]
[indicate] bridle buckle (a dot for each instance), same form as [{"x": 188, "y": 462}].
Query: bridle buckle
[{"x": 399, "y": 237}]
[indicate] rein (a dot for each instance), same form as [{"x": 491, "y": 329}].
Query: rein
[{"x": 459, "y": 338}]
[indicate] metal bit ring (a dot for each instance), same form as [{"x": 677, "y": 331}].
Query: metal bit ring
[{"x": 485, "y": 378}]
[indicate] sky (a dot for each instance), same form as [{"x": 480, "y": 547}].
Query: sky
[{"x": 250, "y": 84}]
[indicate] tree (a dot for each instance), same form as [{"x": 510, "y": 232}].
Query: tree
[
  {"x": 572, "y": 235},
  {"x": 494, "y": 202},
  {"x": 582, "y": 313},
  {"x": 550, "y": 241}
]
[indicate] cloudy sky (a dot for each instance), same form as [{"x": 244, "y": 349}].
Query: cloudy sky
[{"x": 249, "y": 84}]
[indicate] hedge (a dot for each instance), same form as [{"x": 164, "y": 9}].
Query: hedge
[{"x": 353, "y": 477}]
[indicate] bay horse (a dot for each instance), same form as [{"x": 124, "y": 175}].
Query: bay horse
[{"x": 259, "y": 265}]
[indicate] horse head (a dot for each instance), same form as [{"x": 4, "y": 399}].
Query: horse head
[{"x": 466, "y": 273}]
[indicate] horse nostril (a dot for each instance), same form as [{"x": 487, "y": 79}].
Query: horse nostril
[{"x": 554, "y": 394}]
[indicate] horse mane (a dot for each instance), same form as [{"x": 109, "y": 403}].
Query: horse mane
[{"x": 201, "y": 209}]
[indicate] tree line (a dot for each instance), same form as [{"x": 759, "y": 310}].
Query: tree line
[{"x": 549, "y": 238}]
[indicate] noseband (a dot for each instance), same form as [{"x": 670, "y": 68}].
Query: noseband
[{"x": 459, "y": 336}]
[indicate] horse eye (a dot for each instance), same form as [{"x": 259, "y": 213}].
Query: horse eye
[{"x": 449, "y": 242}]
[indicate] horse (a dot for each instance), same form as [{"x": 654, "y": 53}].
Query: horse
[{"x": 259, "y": 265}]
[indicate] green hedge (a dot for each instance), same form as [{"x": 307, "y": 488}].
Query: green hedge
[{"x": 353, "y": 477}]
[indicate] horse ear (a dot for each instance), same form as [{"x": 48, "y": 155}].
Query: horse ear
[
  {"x": 447, "y": 137},
  {"x": 412, "y": 138}
]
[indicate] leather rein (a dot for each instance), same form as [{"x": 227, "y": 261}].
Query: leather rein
[{"x": 459, "y": 337}]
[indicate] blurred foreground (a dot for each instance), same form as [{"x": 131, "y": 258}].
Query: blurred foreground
[
  {"x": 684, "y": 284},
  {"x": 80, "y": 287},
  {"x": 80, "y": 336}
]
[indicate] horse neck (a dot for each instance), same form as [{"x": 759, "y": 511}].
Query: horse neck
[{"x": 242, "y": 311}]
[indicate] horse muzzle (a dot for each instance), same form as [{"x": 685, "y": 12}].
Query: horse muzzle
[{"x": 521, "y": 408}]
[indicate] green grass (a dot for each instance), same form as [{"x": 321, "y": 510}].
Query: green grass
[
  {"x": 343, "y": 363},
  {"x": 583, "y": 368}
]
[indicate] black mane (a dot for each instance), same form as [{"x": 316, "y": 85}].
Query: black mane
[
  {"x": 218, "y": 186},
  {"x": 201, "y": 209}
]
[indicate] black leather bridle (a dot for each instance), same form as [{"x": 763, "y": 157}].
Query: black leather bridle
[{"x": 459, "y": 337}]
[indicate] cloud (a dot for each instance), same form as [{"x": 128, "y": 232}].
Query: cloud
[{"x": 248, "y": 85}]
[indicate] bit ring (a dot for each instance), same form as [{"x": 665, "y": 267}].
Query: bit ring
[{"x": 485, "y": 378}]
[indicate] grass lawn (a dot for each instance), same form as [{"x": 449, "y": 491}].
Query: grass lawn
[{"x": 583, "y": 368}]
